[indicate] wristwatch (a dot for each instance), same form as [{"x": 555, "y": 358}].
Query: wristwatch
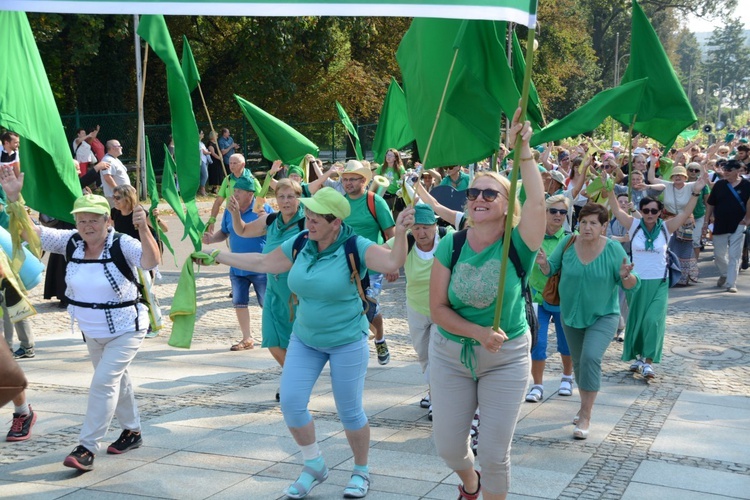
[{"x": 695, "y": 194}]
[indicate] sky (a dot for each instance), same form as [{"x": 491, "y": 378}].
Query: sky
[{"x": 697, "y": 25}]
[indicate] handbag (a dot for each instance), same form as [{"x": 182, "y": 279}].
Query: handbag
[
  {"x": 12, "y": 378},
  {"x": 550, "y": 294},
  {"x": 685, "y": 232}
]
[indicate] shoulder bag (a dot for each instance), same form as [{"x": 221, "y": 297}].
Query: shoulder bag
[{"x": 550, "y": 294}]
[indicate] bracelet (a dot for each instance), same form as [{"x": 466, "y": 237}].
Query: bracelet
[
  {"x": 696, "y": 194},
  {"x": 527, "y": 158},
  {"x": 211, "y": 220}
]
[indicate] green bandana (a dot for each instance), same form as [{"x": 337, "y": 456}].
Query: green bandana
[{"x": 651, "y": 235}]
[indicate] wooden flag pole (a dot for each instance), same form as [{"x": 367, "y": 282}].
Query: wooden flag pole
[
  {"x": 141, "y": 128},
  {"x": 514, "y": 180},
  {"x": 630, "y": 159},
  {"x": 210, "y": 124}
]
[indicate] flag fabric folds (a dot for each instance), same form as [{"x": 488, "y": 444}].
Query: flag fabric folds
[
  {"x": 189, "y": 68},
  {"x": 278, "y": 141},
  {"x": 153, "y": 193},
  {"x": 351, "y": 131},
  {"x": 665, "y": 110},
  {"x": 393, "y": 130},
  {"x": 28, "y": 108},
  {"x": 623, "y": 99}
]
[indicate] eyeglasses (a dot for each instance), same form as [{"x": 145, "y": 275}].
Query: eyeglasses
[
  {"x": 695, "y": 170},
  {"x": 488, "y": 194},
  {"x": 286, "y": 197},
  {"x": 555, "y": 211},
  {"x": 652, "y": 211},
  {"x": 116, "y": 197},
  {"x": 357, "y": 178}
]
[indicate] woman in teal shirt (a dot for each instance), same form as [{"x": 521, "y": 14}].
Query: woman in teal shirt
[
  {"x": 329, "y": 327},
  {"x": 591, "y": 269},
  {"x": 471, "y": 364}
]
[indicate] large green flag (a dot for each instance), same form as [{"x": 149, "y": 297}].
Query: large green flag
[
  {"x": 153, "y": 29},
  {"x": 278, "y": 141},
  {"x": 623, "y": 99},
  {"x": 393, "y": 130},
  {"x": 28, "y": 108},
  {"x": 351, "y": 131},
  {"x": 534, "y": 109},
  {"x": 153, "y": 193},
  {"x": 457, "y": 83},
  {"x": 665, "y": 110},
  {"x": 189, "y": 68}
]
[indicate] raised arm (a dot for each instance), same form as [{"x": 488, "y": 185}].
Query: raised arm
[
  {"x": 441, "y": 211},
  {"x": 675, "y": 222},
  {"x": 12, "y": 186},
  {"x": 624, "y": 219},
  {"x": 151, "y": 255},
  {"x": 275, "y": 262},
  {"x": 246, "y": 230},
  {"x": 382, "y": 260},
  {"x": 533, "y": 221}
]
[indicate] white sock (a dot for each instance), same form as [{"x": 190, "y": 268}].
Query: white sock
[
  {"x": 310, "y": 452},
  {"x": 23, "y": 409},
  {"x": 380, "y": 341}
]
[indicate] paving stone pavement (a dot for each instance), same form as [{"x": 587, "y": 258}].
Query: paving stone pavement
[{"x": 212, "y": 428}]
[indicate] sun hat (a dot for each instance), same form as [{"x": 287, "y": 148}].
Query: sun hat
[
  {"x": 328, "y": 201},
  {"x": 91, "y": 203},
  {"x": 356, "y": 167},
  {"x": 423, "y": 214},
  {"x": 678, "y": 170},
  {"x": 244, "y": 183},
  {"x": 557, "y": 176}
]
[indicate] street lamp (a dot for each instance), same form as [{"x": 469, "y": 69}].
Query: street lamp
[{"x": 617, "y": 67}]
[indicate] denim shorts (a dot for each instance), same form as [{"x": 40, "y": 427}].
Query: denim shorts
[{"x": 241, "y": 289}]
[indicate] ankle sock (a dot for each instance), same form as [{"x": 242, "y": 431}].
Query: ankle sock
[
  {"x": 357, "y": 481},
  {"x": 23, "y": 409},
  {"x": 310, "y": 451},
  {"x": 305, "y": 479},
  {"x": 380, "y": 341}
]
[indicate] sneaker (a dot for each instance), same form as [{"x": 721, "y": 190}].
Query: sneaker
[
  {"x": 384, "y": 356},
  {"x": 647, "y": 371},
  {"x": 721, "y": 281},
  {"x": 24, "y": 352},
  {"x": 127, "y": 441},
  {"x": 20, "y": 429},
  {"x": 425, "y": 402},
  {"x": 80, "y": 458},
  {"x": 731, "y": 289},
  {"x": 637, "y": 365},
  {"x": 429, "y": 414}
]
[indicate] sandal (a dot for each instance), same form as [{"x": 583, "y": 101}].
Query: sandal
[
  {"x": 318, "y": 477},
  {"x": 566, "y": 387},
  {"x": 242, "y": 345},
  {"x": 535, "y": 394},
  {"x": 356, "y": 490},
  {"x": 463, "y": 495}
]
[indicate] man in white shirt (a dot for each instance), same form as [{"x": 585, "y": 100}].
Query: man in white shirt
[{"x": 116, "y": 174}]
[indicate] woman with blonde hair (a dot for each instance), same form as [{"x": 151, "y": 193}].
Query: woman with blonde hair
[
  {"x": 126, "y": 199},
  {"x": 473, "y": 365}
]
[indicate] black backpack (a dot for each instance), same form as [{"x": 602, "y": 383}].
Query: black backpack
[
  {"x": 272, "y": 217},
  {"x": 459, "y": 239}
]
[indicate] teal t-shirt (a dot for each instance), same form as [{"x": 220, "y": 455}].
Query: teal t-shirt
[
  {"x": 329, "y": 313},
  {"x": 537, "y": 279},
  {"x": 472, "y": 291},
  {"x": 362, "y": 221},
  {"x": 461, "y": 185},
  {"x": 4, "y": 217},
  {"x": 278, "y": 232}
]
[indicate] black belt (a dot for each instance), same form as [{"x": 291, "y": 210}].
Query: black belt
[{"x": 94, "y": 305}]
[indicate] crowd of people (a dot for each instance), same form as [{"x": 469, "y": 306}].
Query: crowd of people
[{"x": 317, "y": 262}]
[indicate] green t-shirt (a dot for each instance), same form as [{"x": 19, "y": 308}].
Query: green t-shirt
[
  {"x": 4, "y": 217},
  {"x": 393, "y": 175},
  {"x": 472, "y": 291},
  {"x": 329, "y": 313},
  {"x": 537, "y": 279},
  {"x": 362, "y": 221},
  {"x": 418, "y": 271},
  {"x": 461, "y": 185},
  {"x": 700, "y": 206},
  {"x": 227, "y": 185},
  {"x": 588, "y": 292}
]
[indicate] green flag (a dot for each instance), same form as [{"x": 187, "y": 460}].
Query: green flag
[
  {"x": 169, "y": 188},
  {"x": 278, "y": 141},
  {"x": 153, "y": 193},
  {"x": 665, "y": 110},
  {"x": 623, "y": 99},
  {"x": 534, "y": 109},
  {"x": 27, "y": 107},
  {"x": 688, "y": 135},
  {"x": 351, "y": 130},
  {"x": 189, "y": 68},
  {"x": 393, "y": 130},
  {"x": 153, "y": 29}
]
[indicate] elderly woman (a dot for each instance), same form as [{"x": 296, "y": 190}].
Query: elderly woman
[
  {"x": 105, "y": 304},
  {"x": 329, "y": 327},
  {"x": 649, "y": 238},
  {"x": 278, "y": 227},
  {"x": 590, "y": 271},
  {"x": 557, "y": 210},
  {"x": 471, "y": 364}
]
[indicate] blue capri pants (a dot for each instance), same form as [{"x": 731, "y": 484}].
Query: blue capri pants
[
  {"x": 545, "y": 312},
  {"x": 302, "y": 368}
]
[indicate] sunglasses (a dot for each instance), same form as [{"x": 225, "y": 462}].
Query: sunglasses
[
  {"x": 652, "y": 211},
  {"x": 696, "y": 170},
  {"x": 555, "y": 211},
  {"x": 488, "y": 194},
  {"x": 116, "y": 197}
]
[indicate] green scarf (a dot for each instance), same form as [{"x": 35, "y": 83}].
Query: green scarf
[
  {"x": 184, "y": 306},
  {"x": 651, "y": 235},
  {"x": 283, "y": 226}
]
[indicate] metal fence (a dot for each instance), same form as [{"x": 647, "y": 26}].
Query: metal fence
[{"x": 330, "y": 136}]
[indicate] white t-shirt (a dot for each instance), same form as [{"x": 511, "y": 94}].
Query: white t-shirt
[
  {"x": 82, "y": 152},
  {"x": 675, "y": 199},
  {"x": 117, "y": 170},
  {"x": 649, "y": 264}
]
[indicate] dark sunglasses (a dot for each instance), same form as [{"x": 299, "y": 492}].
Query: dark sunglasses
[
  {"x": 555, "y": 211},
  {"x": 652, "y": 211},
  {"x": 488, "y": 194},
  {"x": 116, "y": 197},
  {"x": 694, "y": 170}
]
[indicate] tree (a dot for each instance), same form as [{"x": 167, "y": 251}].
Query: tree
[{"x": 728, "y": 60}]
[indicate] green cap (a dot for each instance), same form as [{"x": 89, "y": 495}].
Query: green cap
[
  {"x": 423, "y": 214},
  {"x": 743, "y": 140},
  {"x": 328, "y": 201},
  {"x": 294, "y": 169},
  {"x": 245, "y": 183},
  {"x": 91, "y": 203}
]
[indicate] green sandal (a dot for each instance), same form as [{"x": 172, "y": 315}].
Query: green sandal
[
  {"x": 356, "y": 490},
  {"x": 318, "y": 477}
]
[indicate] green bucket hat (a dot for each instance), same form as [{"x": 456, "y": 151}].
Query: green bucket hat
[
  {"x": 294, "y": 169},
  {"x": 423, "y": 214},
  {"x": 245, "y": 183}
]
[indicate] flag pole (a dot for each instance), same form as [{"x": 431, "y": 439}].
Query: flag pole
[
  {"x": 514, "y": 179},
  {"x": 140, "y": 90},
  {"x": 630, "y": 158},
  {"x": 211, "y": 124}
]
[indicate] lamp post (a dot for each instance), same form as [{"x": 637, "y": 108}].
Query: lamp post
[{"x": 617, "y": 67}]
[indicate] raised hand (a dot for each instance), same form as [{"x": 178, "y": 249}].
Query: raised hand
[
  {"x": 626, "y": 268},
  {"x": 11, "y": 183}
]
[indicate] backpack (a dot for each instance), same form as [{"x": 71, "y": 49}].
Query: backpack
[
  {"x": 410, "y": 238},
  {"x": 373, "y": 211},
  {"x": 369, "y": 305},
  {"x": 459, "y": 239},
  {"x": 145, "y": 295},
  {"x": 272, "y": 217}
]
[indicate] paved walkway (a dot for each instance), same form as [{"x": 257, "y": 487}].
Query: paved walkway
[{"x": 212, "y": 428}]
